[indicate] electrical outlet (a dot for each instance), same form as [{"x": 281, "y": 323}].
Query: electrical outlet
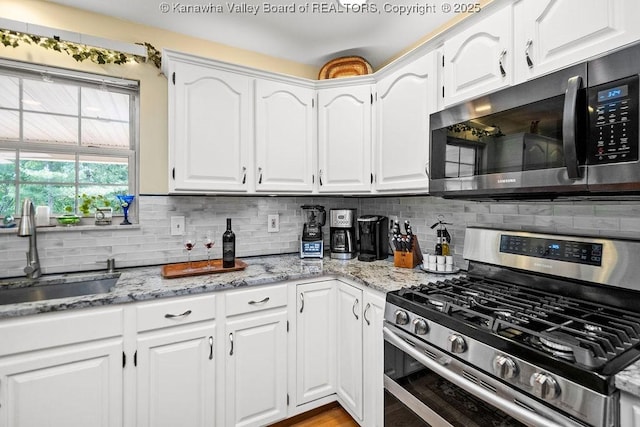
[
  {"x": 273, "y": 223},
  {"x": 177, "y": 225}
]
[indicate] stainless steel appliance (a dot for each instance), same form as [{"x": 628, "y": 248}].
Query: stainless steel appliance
[
  {"x": 342, "y": 233},
  {"x": 374, "y": 237},
  {"x": 574, "y": 132},
  {"x": 533, "y": 334},
  {"x": 311, "y": 243}
]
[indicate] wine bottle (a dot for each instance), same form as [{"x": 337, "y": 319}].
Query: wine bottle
[{"x": 228, "y": 247}]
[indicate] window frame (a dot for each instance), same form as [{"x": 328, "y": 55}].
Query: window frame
[{"x": 77, "y": 150}]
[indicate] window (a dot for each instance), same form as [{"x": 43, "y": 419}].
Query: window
[{"x": 64, "y": 134}]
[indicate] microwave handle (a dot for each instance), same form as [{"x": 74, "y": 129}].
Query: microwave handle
[{"x": 569, "y": 123}]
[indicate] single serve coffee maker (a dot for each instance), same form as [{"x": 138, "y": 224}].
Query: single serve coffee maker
[
  {"x": 311, "y": 245},
  {"x": 342, "y": 229},
  {"x": 374, "y": 237}
]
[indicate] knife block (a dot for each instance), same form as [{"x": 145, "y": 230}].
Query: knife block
[{"x": 410, "y": 258}]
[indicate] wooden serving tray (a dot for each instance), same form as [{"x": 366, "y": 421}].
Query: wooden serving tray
[{"x": 182, "y": 269}]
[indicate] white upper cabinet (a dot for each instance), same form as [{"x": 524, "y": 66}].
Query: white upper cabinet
[
  {"x": 479, "y": 59},
  {"x": 344, "y": 139},
  {"x": 404, "y": 101},
  {"x": 209, "y": 129},
  {"x": 285, "y": 137},
  {"x": 550, "y": 34}
]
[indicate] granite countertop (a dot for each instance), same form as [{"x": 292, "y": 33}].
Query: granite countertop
[{"x": 147, "y": 283}]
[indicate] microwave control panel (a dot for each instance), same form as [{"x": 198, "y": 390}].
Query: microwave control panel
[{"x": 613, "y": 114}]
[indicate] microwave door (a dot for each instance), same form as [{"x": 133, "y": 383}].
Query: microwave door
[{"x": 521, "y": 140}]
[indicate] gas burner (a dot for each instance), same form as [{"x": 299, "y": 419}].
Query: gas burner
[
  {"x": 559, "y": 341},
  {"x": 592, "y": 330}
]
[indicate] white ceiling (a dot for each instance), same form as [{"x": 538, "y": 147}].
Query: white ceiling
[{"x": 310, "y": 38}]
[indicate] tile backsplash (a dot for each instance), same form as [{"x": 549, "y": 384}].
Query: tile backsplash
[{"x": 150, "y": 242}]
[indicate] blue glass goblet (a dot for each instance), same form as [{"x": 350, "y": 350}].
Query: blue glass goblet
[{"x": 125, "y": 202}]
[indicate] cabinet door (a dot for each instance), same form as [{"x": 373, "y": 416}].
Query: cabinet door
[
  {"x": 285, "y": 137},
  {"x": 209, "y": 129},
  {"x": 349, "y": 348},
  {"x": 373, "y": 358},
  {"x": 551, "y": 34},
  {"x": 629, "y": 410},
  {"x": 479, "y": 59},
  {"x": 176, "y": 376},
  {"x": 315, "y": 340},
  {"x": 404, "y": 101},
  {"x": 71, "y": 386},
  {"x": 256, "y": 369},
  {"x": 344, "y": 139}
]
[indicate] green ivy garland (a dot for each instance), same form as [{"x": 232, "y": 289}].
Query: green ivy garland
[{"x": 80, "y": 52}]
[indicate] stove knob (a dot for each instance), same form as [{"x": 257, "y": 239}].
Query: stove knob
[
  {"x": 457, "y": 344},
  {"x": 544, "y": 386},
  {"x": 402, "y": 318},
  {"x": 420, "y": 326},
  {"x": 504, "y": 367}
]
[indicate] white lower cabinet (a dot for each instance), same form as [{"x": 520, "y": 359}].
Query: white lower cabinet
[
  {"x": 373, "y": 358},
  {"x": 629, "y": 410},
  {"x": 176, "y": 377},
  {"x": 315, "y": 353},
  {"x": 349, "y": 348},
  {"x": 62, "y": 370},
  {"x": 175, "y": 362},
  {"x": 256, "y": 359}
]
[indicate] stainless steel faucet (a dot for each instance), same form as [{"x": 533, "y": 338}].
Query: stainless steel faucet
[{"x": 27, "y": 228}]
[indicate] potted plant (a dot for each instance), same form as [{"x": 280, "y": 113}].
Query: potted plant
[{"x": 99, "y": 204}]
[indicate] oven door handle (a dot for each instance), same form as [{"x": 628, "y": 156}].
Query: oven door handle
[{"x": 508, "y": 407}]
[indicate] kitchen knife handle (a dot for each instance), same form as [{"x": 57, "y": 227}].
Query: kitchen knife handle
[
  {"x": 259, "y": 175},
  {"x": 500, "y": 58},
  {"x": 526, "y": 53},
  {"x": 353, "y": 309},
  {"x": 569, "y": 125},
  {"x": 231, "y": 341},
  {"x": 365, "y": 313},
  {"x": 173, "y": 316},
  {"x": 301, "y": 302}
]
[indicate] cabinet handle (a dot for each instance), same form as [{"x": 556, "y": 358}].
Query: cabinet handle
[
  {"x": 500, "y": 58},
  {"x": 244, "y": 174},
  {"x": 301, "y": 302},
  {"x": 260, "y": 175},
  {"x": 365, "y": 313},
  {"x": 526, "y": 53},
  {"x": 426, "y": 170},
  {"x": 259, "y": 302},
  {"x": 353, "y": 309},
  {"x": 320, "y": 177},
  {"x": 210, "y": 348},
  {"x": 173, "y": 316},
  {"x": 231, "y": 340}
]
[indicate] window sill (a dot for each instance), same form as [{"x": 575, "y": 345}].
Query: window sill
[{"x": 64, "y": 228}]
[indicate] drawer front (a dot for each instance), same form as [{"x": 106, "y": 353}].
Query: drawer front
[
  {"x": 56, "y": 329},
  {"x": 175, "y": 311},
  {"x": 255, "y": 299}
]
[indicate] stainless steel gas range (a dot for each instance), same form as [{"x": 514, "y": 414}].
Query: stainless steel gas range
[{"x": 533, "y": 334}]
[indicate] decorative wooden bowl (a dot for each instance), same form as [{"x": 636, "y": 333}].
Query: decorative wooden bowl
[{"x": 347, "y": 66}]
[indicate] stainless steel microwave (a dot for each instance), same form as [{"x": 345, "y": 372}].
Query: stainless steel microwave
[{"x": 572, "y": 132}]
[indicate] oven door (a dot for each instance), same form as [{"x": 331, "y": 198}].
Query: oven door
[
  {"x": 525, "y": 139},
  {"x": 426, "y": 387}
]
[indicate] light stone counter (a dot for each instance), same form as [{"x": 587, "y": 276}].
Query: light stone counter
[
  {"x": 147, "y": 283},
  {"x": 629, "y": 379}
]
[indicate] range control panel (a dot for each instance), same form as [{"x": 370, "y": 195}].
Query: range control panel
[
  {"x": 613, "y": 114},
  {"x": 559, "y": 250}
]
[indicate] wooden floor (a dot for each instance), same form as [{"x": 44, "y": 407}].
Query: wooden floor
[{"x": 331, "y": 415}]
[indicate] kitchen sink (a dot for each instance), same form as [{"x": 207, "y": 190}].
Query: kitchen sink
[{"x": 43, "y": 289}]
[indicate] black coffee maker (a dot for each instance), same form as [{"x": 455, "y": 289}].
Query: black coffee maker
[{"x": 374, "y": 237}]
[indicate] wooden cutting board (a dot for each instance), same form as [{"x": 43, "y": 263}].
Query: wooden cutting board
[{"x": 197, "y": 268}]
